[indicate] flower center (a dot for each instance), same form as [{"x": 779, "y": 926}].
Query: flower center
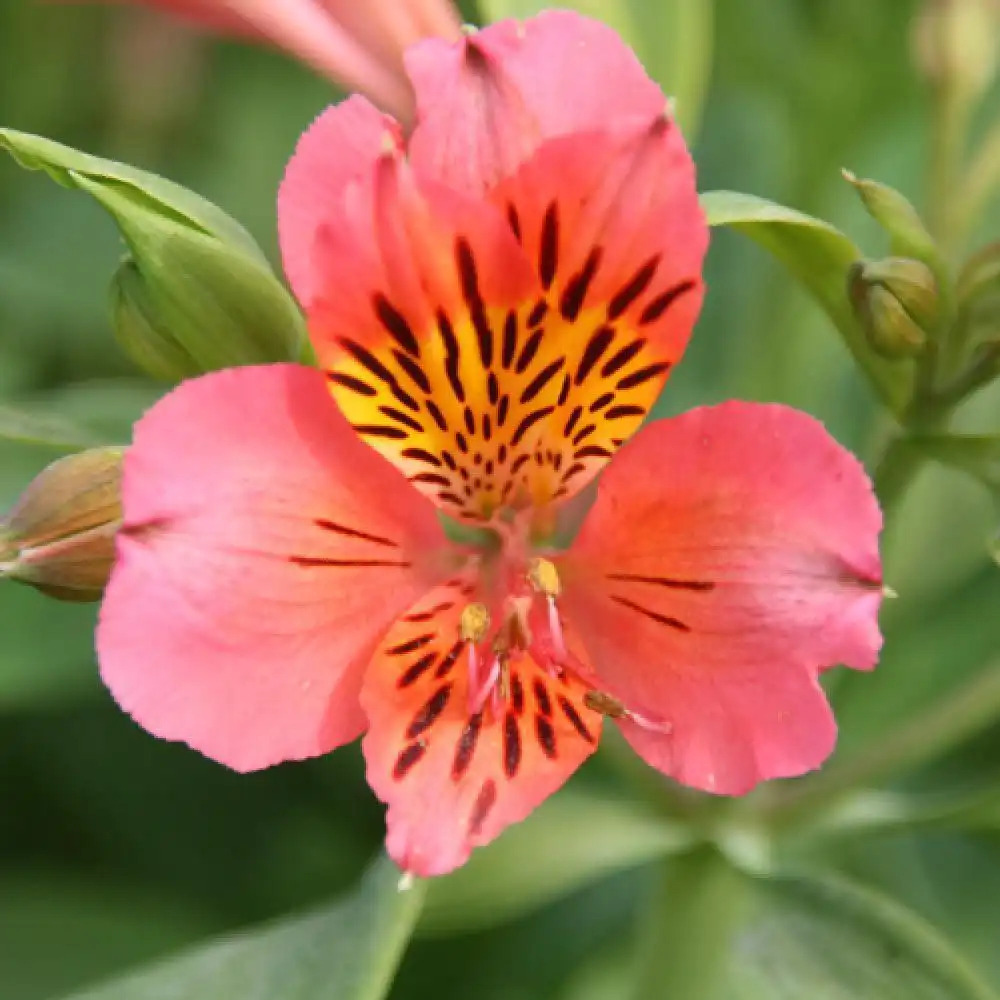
[{"x": 520, "y": 617}]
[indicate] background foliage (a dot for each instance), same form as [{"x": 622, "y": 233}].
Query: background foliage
[{"x": 116, "y": 849}]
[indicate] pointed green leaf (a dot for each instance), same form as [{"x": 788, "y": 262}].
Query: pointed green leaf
[
  {"x": 348, "y": 951},
  {"x": 47, "y": 430},
  {"x": 574, "y": 840},
  {"x": 819, "y": 256},
  {"x": 77, "y": 416},
  {"x": 65, "y": 165},
  {"x": 896, "y": 215}
]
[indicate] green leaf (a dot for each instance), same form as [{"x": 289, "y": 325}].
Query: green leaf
[
  {"x": 819, "y": 256},
  {"x": 348, "y": 950},
  {"x": 96, "y": 926},
  {"x": 959, "y": 713},
  {"x": 793, "y": 937},
  {"x": 717, "y": 934},
  {"x": 672, "y": 38},
  {"x": 47, "y": 430},
  {"x": 830, "y": 940},
  {"x": 47, "y": 654},
  {"x": 975, "y": 454},
  {"x": 78, "y": 416},
  {"x": 66, "y": 166},
  {"x": 877, "y": 813},
  {"x": 575, "y": 839},
  {"x": 897, "y": 216}
]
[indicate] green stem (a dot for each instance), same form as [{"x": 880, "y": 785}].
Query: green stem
[
  {"x": 698, "y": 902},
  {"x": 982, "y": 369},
  {"x": 898, "y": 467},
  {"x": 949, "y": 124},
  {"x": 950, "y": 721},
  {"x": 979, "y": 182},
  {"x": 900, "y": 461}
]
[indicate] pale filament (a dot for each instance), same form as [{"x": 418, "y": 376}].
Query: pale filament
[
  {"x": 610, "y": 706},
  {"x": 556, "y": 632}
]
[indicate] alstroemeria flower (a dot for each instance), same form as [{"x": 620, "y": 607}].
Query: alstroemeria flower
[
  {"x": 495, "y": 304},
  {"x": 359, "y": 44}
]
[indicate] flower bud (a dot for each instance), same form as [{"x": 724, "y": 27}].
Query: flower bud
[
  {"x": 894, "y": 213},
  {"x": 196, "y": 293},
  {"x": 896, "y": 303},
  {"x": 59, "y": 537},
  {"x": 133, "y": 319},
  {"x": 186, "y": 302},
  {"x": 955, "y": 45},
  {"x": 911, "y": 282}
]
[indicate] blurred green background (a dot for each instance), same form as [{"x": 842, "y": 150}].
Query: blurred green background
[{"x": 115, "y": 848}]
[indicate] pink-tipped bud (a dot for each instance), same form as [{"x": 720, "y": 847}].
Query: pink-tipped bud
[
  {"x": 358, "y": 45},
  {"x": 59, "y": 537}
]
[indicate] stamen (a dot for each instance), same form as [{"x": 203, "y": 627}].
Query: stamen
[
  {"x": 601, "y": 702},
  {"x": 605, "y": 704},
  {"x": 472, "y": 627},
  {"x": 474, "y": 623},
  {"x": 556, "y": 632},
  {"x": 480, "y": 687},
  {"x": 544, "y": 577}
]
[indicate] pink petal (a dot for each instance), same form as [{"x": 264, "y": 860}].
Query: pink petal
[
  {"x": 453, "y": 780},
  {"x": 355, "y": 46},
  {"x": 265, "y": 551},
  {"x": 332, "y": 160},
  {"x": 730, "y": 555},
  {"x": 387, "y": 27},
  {"x": 586, "y": 316},
  {"x": 484, "y": 105}
]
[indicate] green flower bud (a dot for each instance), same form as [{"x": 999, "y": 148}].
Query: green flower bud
[
  {"x": 893, "y": 212},
  {"x": 196, "y": 293},
  {"x": 59, "y": 537},
  {"x": 912, "y": 282},
  {"x": 187, "y": 302},
  {"x": 133, "y": 319},
  {"x": 894, "y": 316}
]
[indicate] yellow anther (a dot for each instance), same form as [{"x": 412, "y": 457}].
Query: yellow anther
[
  {"x": 605, "y": 704},
  {"x": 474, "y": 623},
  {"x": 543, "y": 577}
]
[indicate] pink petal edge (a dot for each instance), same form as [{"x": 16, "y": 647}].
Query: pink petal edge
[
  {"x": 265, "y": 551},
  {"x": 731, "y": 554}
]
